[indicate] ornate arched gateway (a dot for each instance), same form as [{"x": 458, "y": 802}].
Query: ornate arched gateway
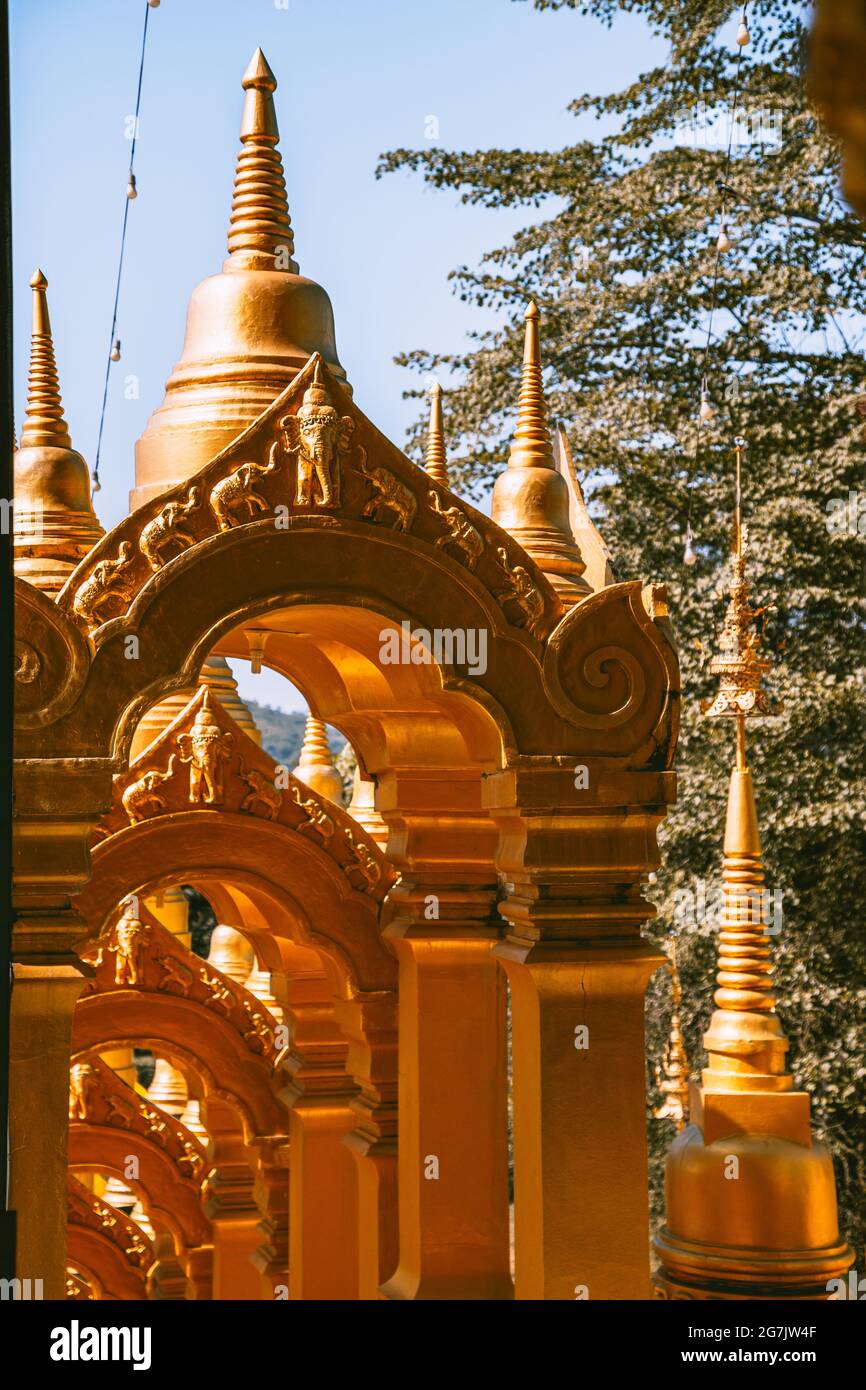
[
  {"x": 518, "y": 721},
  {"x": 320, "y": 882}
]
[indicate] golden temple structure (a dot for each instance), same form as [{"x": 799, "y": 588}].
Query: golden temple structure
[{"x": 328, "y": 1112}]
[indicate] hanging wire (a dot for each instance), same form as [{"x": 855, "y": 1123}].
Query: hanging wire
[
  {"x": 131, "y": 193},
  {"x": 722, "y": 245}
]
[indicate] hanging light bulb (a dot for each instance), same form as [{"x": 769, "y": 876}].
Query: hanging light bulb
[
  {"x": 115, "y": 350},
  {"x": 743, "y": 35},
  {"x": 724, "y": 242},
  {"x": 689, "y": 556},
  {"x": 131, "y": 190},
  {"x": 706, "y": 412},
  {"x": 95, "y": 484},
  {"x": 154, "y": 4}
]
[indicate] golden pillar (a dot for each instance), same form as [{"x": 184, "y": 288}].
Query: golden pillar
[
  {"x": 578, "y": 968},
  {"x": 453, "y": 1154},
  {"x": 750, "y": 1195},
  {"x": 323, "y": 1179}
]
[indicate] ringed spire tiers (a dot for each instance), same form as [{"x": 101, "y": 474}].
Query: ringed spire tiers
[
  {"x": 530, "y": 499},
  {"x": 435, "y": 458},
  {"x": 55, "y": 524},
  {"x": 250, "y": 328},
  {"x": 316, "y": 762}
]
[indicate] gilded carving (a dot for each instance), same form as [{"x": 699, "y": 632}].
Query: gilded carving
[
  {"x": 262, "y": 794},
  {"x": 127, "y": 946},
  {"x": 316, "y": 817},
  {"x": 365, "y": 862},
  {"x": 206, "y": 747},
  {"x": 521, "y": 591},
  {"x": 318, "y": 438},
  {"x": 176, "y": 977},
  {"x": 234, "y": 499},
  {"x": 28, "y": 662},
  {"x": 165, "y": 530},
  {"x": 113, "y": 582},
  {"x": 140, "y": 799},
  {"x": 82, "y": 1082},
  {"x": 389, "y": 495},
  {"x": 461, "y": 533}
]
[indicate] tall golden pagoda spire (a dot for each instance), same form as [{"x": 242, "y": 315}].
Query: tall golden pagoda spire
[
  {"x": 55, "y": 524},
  {"x": 530, "y": 499},
  {"x": 435, "y": 459},
  {"x": 750, "y": 1196},
  {"x": 249, "y": 329},
  {"x": 316, "y": 763},
  {"x": 260, "y": 234}
]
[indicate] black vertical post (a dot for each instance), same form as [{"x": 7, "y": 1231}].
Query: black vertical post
[{"x": 7, "y": 684}]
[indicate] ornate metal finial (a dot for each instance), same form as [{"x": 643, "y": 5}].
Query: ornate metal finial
[
  {"x": 435, "y": 459},
  {"x": 260, "y": 235},
  {"x": 44, "y": 420},
  {"x": 316, "y": 764},
  {"x": 672, "y": 1076},
  {"x": 738, "y": 664}
]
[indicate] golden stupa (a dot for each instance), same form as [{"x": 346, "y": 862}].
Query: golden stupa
[{"x": 250, "y": 328}]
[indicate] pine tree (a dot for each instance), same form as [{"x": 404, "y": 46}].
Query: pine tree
[{"x": 626, "y": 275}]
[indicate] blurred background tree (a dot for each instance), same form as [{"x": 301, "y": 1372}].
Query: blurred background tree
[{"x": 626, "y": 273}]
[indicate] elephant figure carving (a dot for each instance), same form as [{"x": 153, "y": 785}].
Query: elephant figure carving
[
  {"x": 390, "y": 495},
  {"x": 141, "y": 799},
  {"x": 235, "y": 499},
  {"x": 318, "y": 437},
  {"x": 165, "y": 530},
  {"x": 205, "y": 748}
]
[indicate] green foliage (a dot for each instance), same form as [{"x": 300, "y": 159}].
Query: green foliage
[{"x": 624, "y": 271}]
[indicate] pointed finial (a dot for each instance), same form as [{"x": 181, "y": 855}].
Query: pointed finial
[
  {"x": 260, "y": 235},
  {"x": 531, "y": 498},
  {"x": 532, "y": 447},
  {"x": 44, "y": 421},
  {"x": 316, "y": 763},
  {"x": 435, "y": 459}
]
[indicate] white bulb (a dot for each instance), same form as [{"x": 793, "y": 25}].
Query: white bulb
[
  {"x": 724, "y": 242},
  {"x": 115, "y": 350},
  {"x": 743, "y": 35},
  {"x": 131, "y": 190},
  {"x": 706, "y": 411},
  {"x": 95, "y": 484},
  {"x": 689, "y": 556},
  {"x": 154, "y": 4}
]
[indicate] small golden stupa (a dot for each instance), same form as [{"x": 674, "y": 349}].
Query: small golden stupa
[
  {"x": 251, "y": 328},
  {"x": 531, "y": 498},
  {"x": 316, "y": 762},
  {"x": 55, "y": 524},
  {"x": 750, "y": 1195}
]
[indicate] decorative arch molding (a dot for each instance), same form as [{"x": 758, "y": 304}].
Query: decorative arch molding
[
  {"x": 148, "y": 989},
  {"x": 112, "y": 1253},
  {"x": 183, "y": 571}
]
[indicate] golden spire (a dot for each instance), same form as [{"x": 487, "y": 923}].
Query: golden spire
[
  {"x": 530, "y": 499},
  {"x": 55, "y": 524},
  {"x": 745, "y": 1036},
  {"x": 674, "y": 1084},
  {"x": 260, "y": 235},
  {"x": 249, "y": 329},
  {"x": 316, "y": 763},
  {"x": 44, "y": 422},
  {"x": 435, "y": 459}
]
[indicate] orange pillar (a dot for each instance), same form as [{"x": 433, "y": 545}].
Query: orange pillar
[
  {"x": 453, "y": 1153},
  {"x": 578, "y": 969}
]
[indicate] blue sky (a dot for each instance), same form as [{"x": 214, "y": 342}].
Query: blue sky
[{"x": 356, "y": 77}]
